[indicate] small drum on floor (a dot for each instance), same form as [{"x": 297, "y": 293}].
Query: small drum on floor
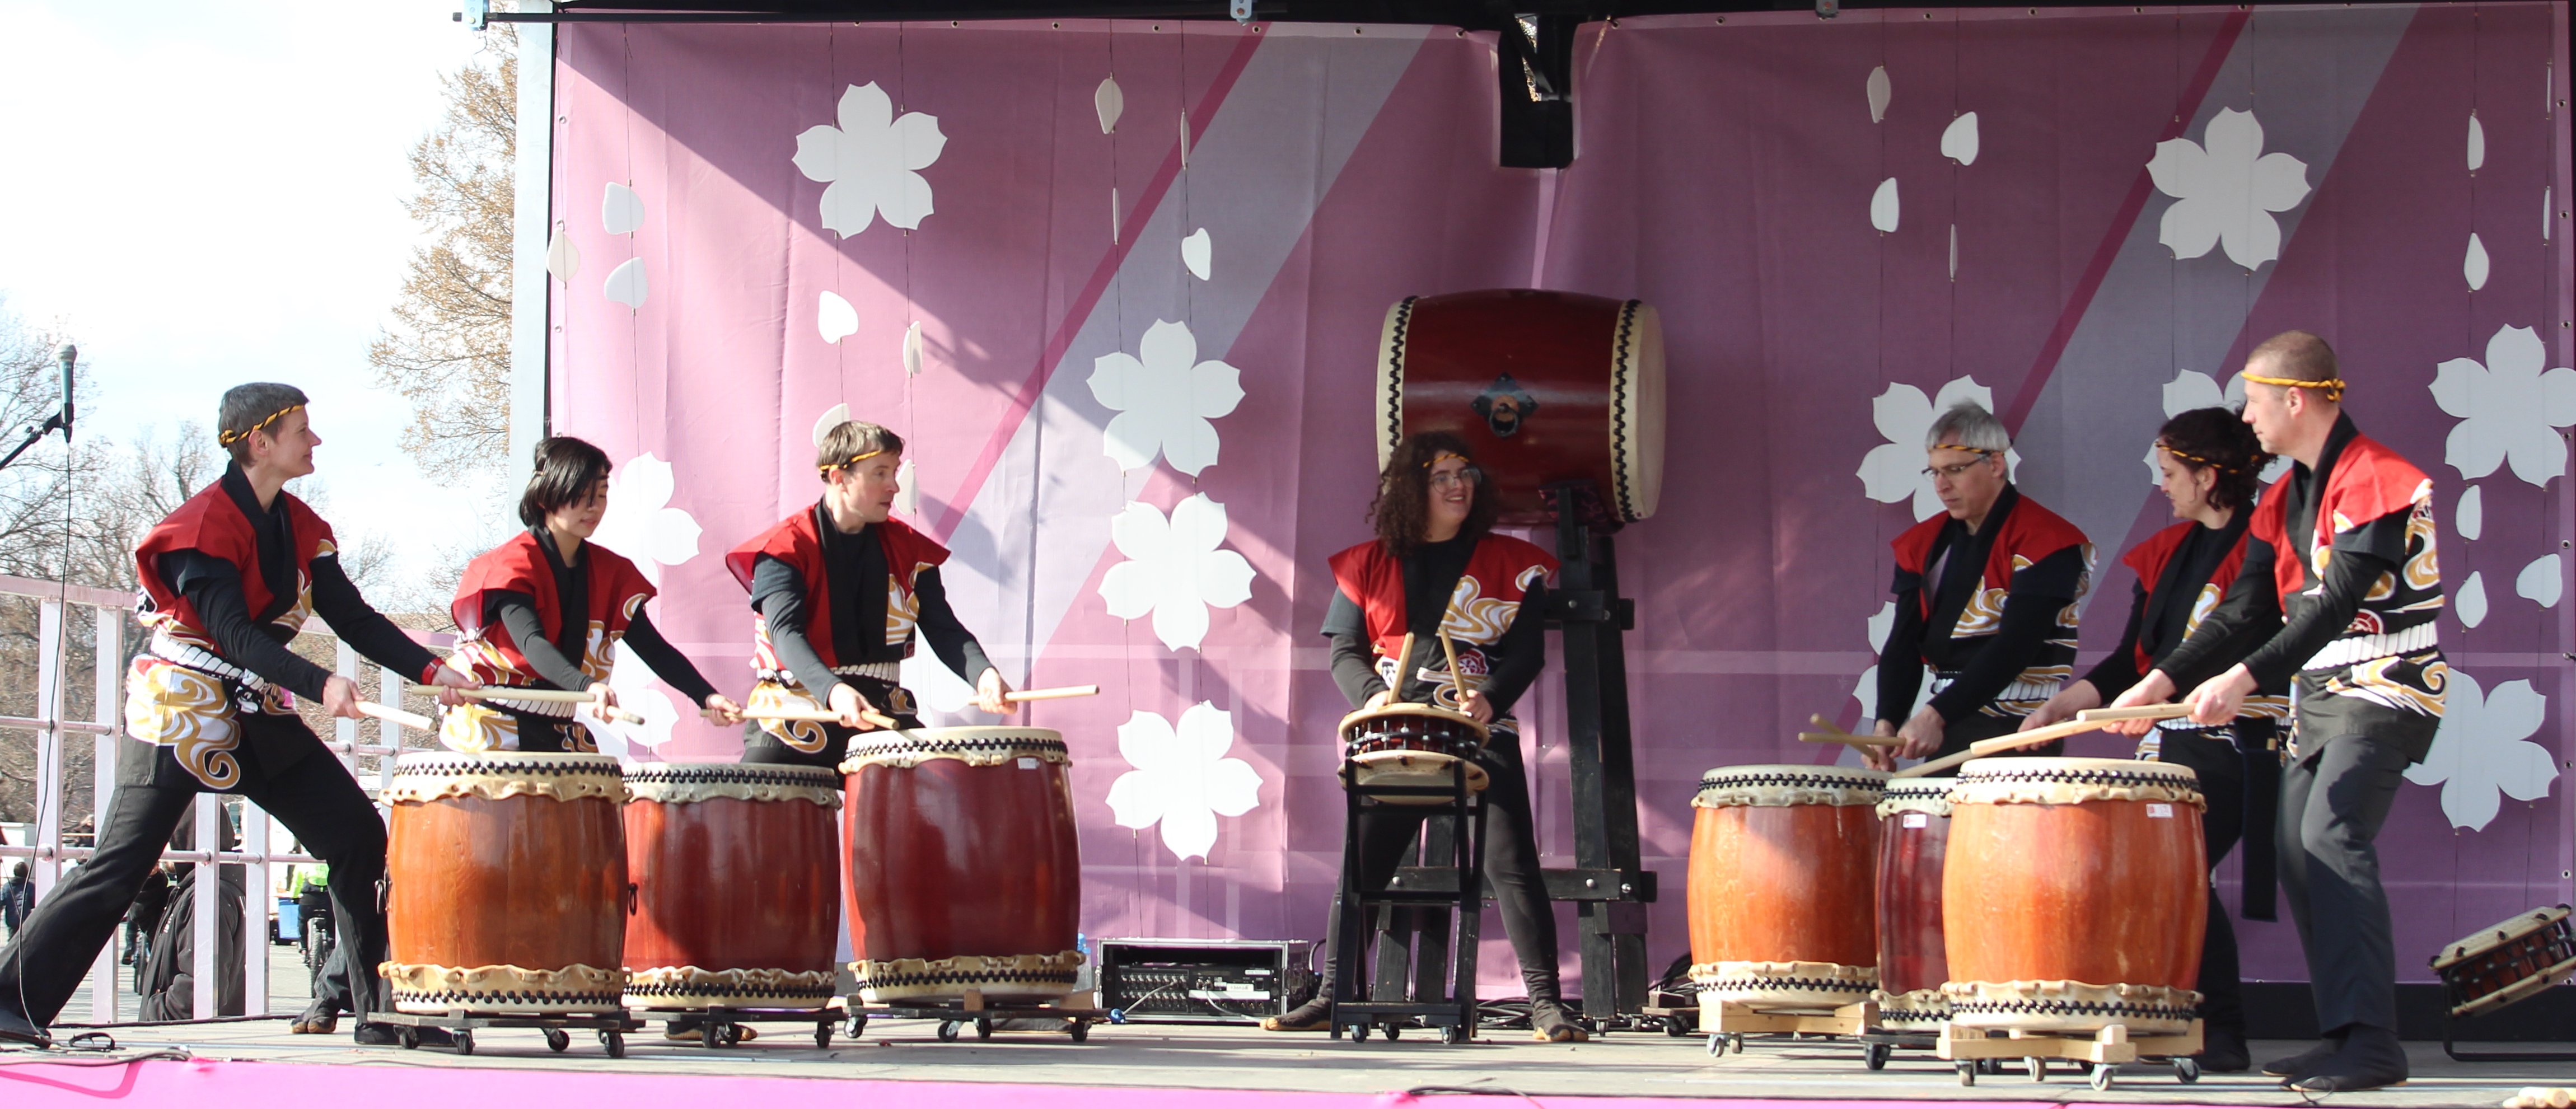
[
  {"x": 2496, "y": 966},
  {"x": 737, "y": 885},
  {"x": 507, "y": 883},
  {"x": 1547, "y": 387},
  {"x": 1782, "y": 865},
  {"x": 1913, "y": 835},
  {"x": 1411, "y": 747},
  {"x": 2074, "y": 895},
  {"x": 964, "y": 871}
]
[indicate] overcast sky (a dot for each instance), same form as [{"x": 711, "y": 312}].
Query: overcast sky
[{"x": 203, "y": 194}]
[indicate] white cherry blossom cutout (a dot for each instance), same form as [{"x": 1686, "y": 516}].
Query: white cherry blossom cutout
[
  {"x": 2474, "y": 265},
  {"x": 1182, "y": 778},
  {"x": 1866, "y": 690},
  {"x": 835, "y": 318},
  {"x": 1110, "y": 102},
  {"x": 2484, "y": 749},
  {"x": 2471, "y": 600},
  {"x": 563, "y": 259},
  {"x": 1879, "y": 91},
  {"x": 1195, "y": 252},
  {"x": 2509, "y": 408},
  {"x": 621, "y": 211},
  {"x": 640, "y": 522},
  {"x": 1164, "y": 400},
  {"x": 2469, "y": 517},
  {"x": 1176, "y": 569},
  {"x": 2226, "y": 191},
  {"x": 871, "y": 162},
  {"x": 2477, "y": 143},
  {"x": 1959, "y": 140},
  {"x": 912, "y": 350},
  {"x": 907, "y": 494},
  {"x": 641, "y": 692},
  {"x": 1882, "y": 207},
  {"x": 1893, "y": 471},
  {"x": 2192, "y": 389},
  {"x": 626, "y": 284},
  {"x": 2541, "y": 582},
  {"x": 832, "y": 417}
]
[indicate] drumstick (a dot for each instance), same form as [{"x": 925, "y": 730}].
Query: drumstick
[
  {"x": 544, "y": 696},
  {"x": 1854, "y": 740},
  {"x": 1985, "y": 747},
  {"x": 1403, "y": 666},
  {"x": 412, "y": 720},
  {"x": 1457, "y": 693},
  {"x": 1056, "y": 693},
  {"x": 2140, "y": 712}
]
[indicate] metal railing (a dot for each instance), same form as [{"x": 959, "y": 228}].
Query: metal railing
[{"x": 48, "y": 854}]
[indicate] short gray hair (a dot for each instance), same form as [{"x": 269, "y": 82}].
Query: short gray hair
[{"x": 1968, "y": 424}]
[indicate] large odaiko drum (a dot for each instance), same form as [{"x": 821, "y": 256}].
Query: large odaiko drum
[
  {"x": 737, "y": 885},
  {"x": 507, "y": 877},
  {"x": 2074, "y": 895},
  {"x": 1781, "y": 867},
  {"x": 1412, "y": 747},
  {"x": 964, "y": 873},
  {"x": 1913, "y": 835},
  {"x": 1546, "y": 387}
]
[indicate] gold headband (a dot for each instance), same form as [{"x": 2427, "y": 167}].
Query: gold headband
[
  {"x": 229, "y": 438},
  {"x": 853, "y": 461},
  {"x": 1964, "y": 447},
  {"x": 2332, "y": 386},
  {"x": 1445, "y": 456}
]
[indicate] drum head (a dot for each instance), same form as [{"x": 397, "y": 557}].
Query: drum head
[
  {"x": 1430, "y": 717},
  {"x": 679, "y": 783},
  {"x": 2011, "y": 780},
  {"x": 505, "y": 762},
  {"x": 1766, "y": 784},
  {"x": 907, "y": 747}
]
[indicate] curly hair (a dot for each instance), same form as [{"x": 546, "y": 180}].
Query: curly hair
[
  {"x": 2217, "y": 438},
  {"x": 1402, "y": 510}
]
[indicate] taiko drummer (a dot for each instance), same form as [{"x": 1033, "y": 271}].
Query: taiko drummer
[{"x": 1437, "y": 566}]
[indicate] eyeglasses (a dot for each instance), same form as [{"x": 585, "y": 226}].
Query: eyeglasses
[
  {"x": 1465, "y": 476},
  {"x": 1954, "y": 469}
]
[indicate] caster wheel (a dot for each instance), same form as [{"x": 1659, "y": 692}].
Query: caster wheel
[
  {"x": 1080, "y": 1030},
  {"x": 947, "y": 1031},
  {"x": 2102, "y": 1076},
  {"x": 1454, "y": 1035},
  {"x": 858, "y": 1026},
  {"x": 711, "y": 1034},
  {"x": 1716, "y": 1045},
  {"x": 616, "y": 1042},
  {"x": 823, "y": 1035},
  {"x": 2038, "y": 1069},
  {"x": 732, "y": 1034},
  {"x": 1359, "y": 1033},
  {"x": 1394, "y": 1032},
  {"x": 1874, "y": 1056},
  {"x": 1676, "y": 1027},
  {"x": 2187, "y": 1070},
  {"x": 1990, "y": 1066},
  {"x": 410, "y": 1039},
  {"x": 557, "y": 1040},
  {"x": 465, "y": 1041},
  {"x": 983, "y": 1028},
  {"x": 1735, "y": 1042},
  {"x": 1968, "y": 1073}
]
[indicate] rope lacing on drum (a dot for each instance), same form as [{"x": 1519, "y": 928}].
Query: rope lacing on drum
[
  {"x": 683, "y": 989},
  {"x": 468, "y": 764},
  {"x": 1395, "y": 372},
  {"x": 742, "y": 773},
  {"x": 2076, "y": 777},
  {"x": 955, "y": 746},
  {"x": 948, "y": 977},
  {"x": 2075, "y": 1008},
  {"x": 1772, "y": 982},
  {"x": 1619, "y": 408},
  {"x": 472, "y": 998},
  {"x": 1786, "y": 778}
]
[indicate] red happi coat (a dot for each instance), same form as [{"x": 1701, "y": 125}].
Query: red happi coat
[
  {"x": 798, "y": 542},
  {"x": 212, "y": 523},
  {"x": 2148, "y": 561},
  {"x": 2027, "y": 534},
  {"x": 617, "y": 592},
  {"x": 2390, "y": 653},
  {"x": 1482, "y": 606}
]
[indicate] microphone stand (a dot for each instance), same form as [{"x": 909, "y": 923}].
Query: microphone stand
[{"x": 61, "y": 420}]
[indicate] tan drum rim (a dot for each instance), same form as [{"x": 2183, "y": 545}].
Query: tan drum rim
[
  {"x": 2005, "y": 781},
  {"x": 909, "y": 747},
  {"x": 426, "y": 776},
  {"x": 507, "y": 762},
  {"x": 1923, "y": 795},
  {"x": 1390, "y": 377},
  {"x": 1409, "y": 709},
  {"x": 2497, "y": 935},
  {"x": 680, "y": 783},
  {"x": 1786, "y": 784},
  {"x": 1636, "y": 411},
  {"x": 2024, "y": 768}
]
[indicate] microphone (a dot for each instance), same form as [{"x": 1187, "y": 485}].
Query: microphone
[{"x": 70, "y": 354}]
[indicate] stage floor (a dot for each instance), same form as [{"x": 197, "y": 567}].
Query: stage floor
[{"x": 1169, "y": 1057}]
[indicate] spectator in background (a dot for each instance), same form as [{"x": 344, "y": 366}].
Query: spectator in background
[
  {"x": 17, "y": 898},
  {"x": 145, "y": 916}
]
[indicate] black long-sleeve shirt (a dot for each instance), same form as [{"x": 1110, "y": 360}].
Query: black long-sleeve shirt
[
  {"x": 214, "y": 588},
  {"x": 858, "y": 581},
  {"x": 556, "y": 662},
  {"x": 1431, "y": 573},
  {"x": 1982, "y": 666},
  {"x": 2162, "y": 626}
]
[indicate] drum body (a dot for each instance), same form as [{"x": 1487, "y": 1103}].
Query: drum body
[
  {"x": 1913, "y": 836},
  {"x": 1546, "y": 387},
  {"x": 964, "y": 872},
  {"x": 508, "y": 883},
  {"x": 2074, "y": 895},
  {"x": 2497, "y": 966},
  {"x": 1781, "y": 867},
  {"x": 737, "y": 885},
  {"x": 1414, "y": 746}
]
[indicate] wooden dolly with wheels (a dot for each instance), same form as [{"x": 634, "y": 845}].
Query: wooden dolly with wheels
[
  {"x": 612, "y": 1025},
  {"x": 1078, "y": 1011},
  {"x": 1728, "y": 1022},
  {"x": 2105, "y": 1050},
  {"x": 721, "y": 1025}
]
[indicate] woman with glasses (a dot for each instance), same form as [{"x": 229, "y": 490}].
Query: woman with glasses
[
  {"x": 1986, "y": 599},
  {"x": 1436, "y": 565}
]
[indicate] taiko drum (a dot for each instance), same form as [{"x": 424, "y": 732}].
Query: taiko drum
[
  {"x": 1781, "y": 880},
  {"x": 963, "y": 868},
  {"x": 737, "y": 885},
  {"x": 2073, "y": 895},
  {"x": 1913, "y": 835},
  {"x": 507, "y": 877},
  {"x": 1545, "y": 387}
]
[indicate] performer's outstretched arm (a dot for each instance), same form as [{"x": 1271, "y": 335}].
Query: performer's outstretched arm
[
  {"x": 213, "y": 587},
  {"x": 337, "y": 601},
  {"x": 667, "y": 661},
  {"x": 948, "y": 638},
  {"x": 780, "y": 596},
  {"x": 2248, "y": 615}
]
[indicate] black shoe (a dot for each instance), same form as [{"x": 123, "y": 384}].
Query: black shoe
[
  {"x": 2305, "y": 1063},
  {"x": 386, "y": 1035},
  {"x": 2371, "y": 1059},
  {"x": 1550, "y": 1023},
  {"x": 17, "y": 1029},
  {"x": 1313, "y": 1016},
  {"x": 2223, "y": 1051},
  {"x": 320, "y": 1019}
]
